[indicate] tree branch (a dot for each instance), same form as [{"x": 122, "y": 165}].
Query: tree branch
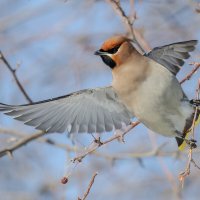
[
  {"x": 190, "y": 161},
  {"x": 154, "y": 152},
  {"x": 97, "y": 143},
  {"x": 190, "y": 74},
  {"x": 13, "y": 72},
  {"x": 89, "y": 187},
  {"x": 127, "y": 21},
  {"x": 39, "y": 139},
  {"x": 20, "y": 143}
]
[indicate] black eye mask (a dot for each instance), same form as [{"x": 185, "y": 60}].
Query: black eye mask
[
  {"x": 111, "y": 51},
  {"x": 108, "y": 61}
]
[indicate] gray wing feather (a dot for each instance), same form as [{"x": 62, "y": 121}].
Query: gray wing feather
[
  {"x": 95, "y": 110},
  {"x": 172, "y": 56}
]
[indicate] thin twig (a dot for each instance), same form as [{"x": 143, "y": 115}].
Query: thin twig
[
  {"x": 49, "y": 141},
  {"x": 127, "y": 21},
  {"x": 187, "y": 170},
  {"x": 97, "y": 143},
  {"x": 20, "y": 143},
  {"x": 189, "y": 75},
  {"x": 119, "y": 156},
  {"x": 13, "y": 72},
  {"x": 89, "y": 187}
]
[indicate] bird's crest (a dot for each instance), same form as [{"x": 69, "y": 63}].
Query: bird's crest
[{"x": 114, "y": 42}]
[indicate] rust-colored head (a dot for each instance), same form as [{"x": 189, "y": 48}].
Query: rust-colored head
[{"x": 115, "y": 51}]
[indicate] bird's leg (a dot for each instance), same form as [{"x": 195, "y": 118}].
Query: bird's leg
[{"x": 190, "y": 142}]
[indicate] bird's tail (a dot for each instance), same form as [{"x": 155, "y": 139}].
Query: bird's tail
[{"x": 181, "y": 142}]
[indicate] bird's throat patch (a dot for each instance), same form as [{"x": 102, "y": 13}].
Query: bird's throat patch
[{"x": 108, "y": 61}]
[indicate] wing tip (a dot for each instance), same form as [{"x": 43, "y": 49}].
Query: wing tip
[
  {"x": 5, "y": 107},
  {"x": 195, "y": 42}
]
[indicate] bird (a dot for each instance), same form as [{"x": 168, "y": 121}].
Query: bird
[{"x": 144, "y": 86}]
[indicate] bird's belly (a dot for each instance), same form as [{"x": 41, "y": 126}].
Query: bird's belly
[
  {"x": 157, "y": 117},
  {"x": 157, "y": 103},
  {"x": 166, "y": 124}
]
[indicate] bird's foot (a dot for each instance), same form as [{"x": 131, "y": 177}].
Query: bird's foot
[
  {"x": 191, "y": 143},
  {"x": 97, "y": 139},
  {"x": 195, "y": 102}
]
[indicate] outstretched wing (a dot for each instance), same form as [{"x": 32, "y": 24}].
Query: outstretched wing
[
  {"x": 95, "y": 110},
  {"x": 172, "y": 56}
]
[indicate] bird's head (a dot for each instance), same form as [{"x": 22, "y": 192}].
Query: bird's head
[{"x": 115, "y": 51}]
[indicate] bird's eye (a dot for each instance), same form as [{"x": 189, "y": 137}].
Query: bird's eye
[{"x": 113, "y": 50}]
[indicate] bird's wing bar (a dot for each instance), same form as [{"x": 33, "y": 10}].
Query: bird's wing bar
[
  {"x": 172, "y": 56},
  {"x": 94, "y": 110}
]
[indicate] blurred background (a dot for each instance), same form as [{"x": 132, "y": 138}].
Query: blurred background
[{"x": 51, "y": 44}]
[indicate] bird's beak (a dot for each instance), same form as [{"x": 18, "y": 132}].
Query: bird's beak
[{"x": 100, "y": 53}]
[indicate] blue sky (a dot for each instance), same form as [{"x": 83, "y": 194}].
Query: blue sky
[{"x": 53, "y": 43}]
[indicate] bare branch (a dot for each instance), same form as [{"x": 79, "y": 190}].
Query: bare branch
[
  {"x": 128, "y": 21},
  {"x": 13, "y": 72},
  {"x": 39, "y": 139},
  {"x": 119, "y": 156},
  {"x": 97, "y": 143},
  {"x": 189, "y": 75},
  {"x": 89, "y": 187},
  {"x": 190, "y": 161},
  {"x": 20, "y": 143}
]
